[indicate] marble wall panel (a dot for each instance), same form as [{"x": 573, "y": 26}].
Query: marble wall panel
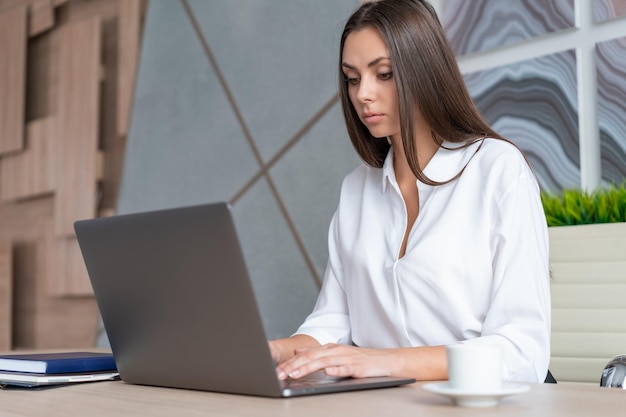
[
  {"x": 611, "y": 69},
  {"x": 534, "y": 103},
  {"x": 480, "y": 25},
  {"x": 608, "y": 9}
]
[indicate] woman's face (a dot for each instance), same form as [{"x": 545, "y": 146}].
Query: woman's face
[{"x": 371, "y": 86}]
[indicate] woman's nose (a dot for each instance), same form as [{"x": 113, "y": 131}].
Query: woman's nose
[{"x": 367, "y": 90}]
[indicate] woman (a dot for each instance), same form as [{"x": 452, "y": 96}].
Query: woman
[{"x": 440, "y": 237}]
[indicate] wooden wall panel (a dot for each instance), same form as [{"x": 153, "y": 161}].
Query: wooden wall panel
[
  {"x": 42, "y": 76},
  {"x": 110, "y": 143},
  {"x": 6, "y": 294},
  {"x": 12, "y": 74},
  {"x": 70, "y": 274},
  {"x": 74, "y": 92},
  {"x": 26, "y": 224},
  {"x": 41, "y": 17},
  {"x": 128, "y": 47},
  {"x": 39, "y": 319},
  {"x": 78, "y": 117},
  {"x": 69, "y": 323},
  {"x": 31, "y": 173}
]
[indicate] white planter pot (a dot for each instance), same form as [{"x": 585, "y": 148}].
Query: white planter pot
[{"x": 588, "y": 265}]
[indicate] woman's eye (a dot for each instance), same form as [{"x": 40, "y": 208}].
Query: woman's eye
[
  {"x": 353, "y": 80},
  {"x": 386, "y": 76}
]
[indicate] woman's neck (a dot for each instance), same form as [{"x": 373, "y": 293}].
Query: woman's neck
[
  {"x": 400, "y": 164},
  {"x": 426, "y": 148}
]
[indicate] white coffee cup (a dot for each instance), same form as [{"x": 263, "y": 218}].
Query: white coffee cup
[{"x": 474, "y": 367}]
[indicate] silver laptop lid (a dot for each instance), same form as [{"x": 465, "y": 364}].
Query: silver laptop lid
[{"x": 176, "y": 301}]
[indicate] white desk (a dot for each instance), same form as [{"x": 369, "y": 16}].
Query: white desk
[{"x": 117, "y": 398}]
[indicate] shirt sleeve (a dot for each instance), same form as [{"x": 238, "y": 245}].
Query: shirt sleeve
[
  {"x": 519, "y": 315},
  {"x": 329, "y": 322}
]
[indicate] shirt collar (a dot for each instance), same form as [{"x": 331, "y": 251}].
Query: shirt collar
[
  {"x": 448, "y": 161},
  {"x": 389, "y": 175}
]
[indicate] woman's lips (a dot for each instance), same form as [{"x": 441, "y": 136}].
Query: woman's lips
[{"x": 372, "y": 117}]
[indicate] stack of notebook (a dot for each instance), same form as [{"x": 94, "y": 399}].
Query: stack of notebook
[{"x": 37, "y": 369}]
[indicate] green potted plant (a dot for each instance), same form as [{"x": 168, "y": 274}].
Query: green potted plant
[
  {"x": 588, "y": 280},
  {"x": 575, "y": 207}
]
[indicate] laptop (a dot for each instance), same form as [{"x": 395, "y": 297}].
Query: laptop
[{"x": 179, "y": 309}]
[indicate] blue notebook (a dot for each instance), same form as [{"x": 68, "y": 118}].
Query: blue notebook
[{"x": 58, "y": 363}]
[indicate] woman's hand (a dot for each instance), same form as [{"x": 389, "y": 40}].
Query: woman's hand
[
  {"x": 275, "y": 350},
  {"x": 284, "y": 349},
  {"x": 340, "y": 360}
]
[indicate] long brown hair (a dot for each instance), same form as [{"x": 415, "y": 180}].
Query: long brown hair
[{"x": 427, "y": 79}]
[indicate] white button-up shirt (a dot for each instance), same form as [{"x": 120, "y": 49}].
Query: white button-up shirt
[{"x": 475, "y": 269}]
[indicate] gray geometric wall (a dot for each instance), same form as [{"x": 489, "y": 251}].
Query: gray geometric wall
[{"x": 236, "y": 100}]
